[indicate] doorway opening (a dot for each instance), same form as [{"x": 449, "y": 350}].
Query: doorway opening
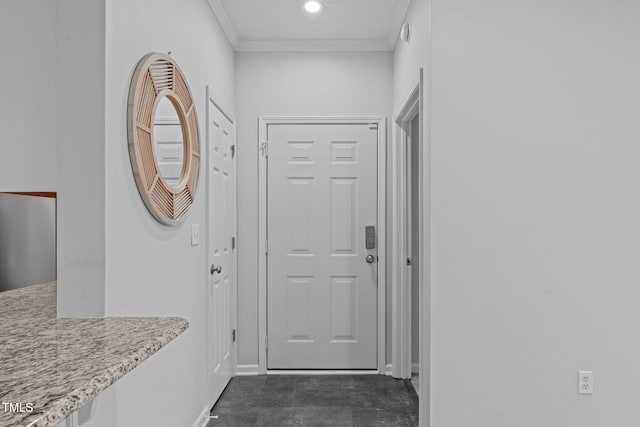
[
  {"x": 27, "y": 239},
  {"x": 412, "y": 179},
  {"x": 410, "y": 245},
  {"x": 408, "y": 226}
]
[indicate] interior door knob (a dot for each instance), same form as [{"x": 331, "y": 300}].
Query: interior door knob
[
  {"x": 215, "y": 269},
  {"x": 370, "y": 259}
]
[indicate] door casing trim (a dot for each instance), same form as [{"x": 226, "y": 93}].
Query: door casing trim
[{"x": 263, "y": 123}]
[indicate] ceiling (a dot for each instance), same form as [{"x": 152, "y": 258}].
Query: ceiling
[{"x": 284, "y": 25}]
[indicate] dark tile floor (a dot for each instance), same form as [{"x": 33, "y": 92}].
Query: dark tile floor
[{"x": 317, "y": 400}]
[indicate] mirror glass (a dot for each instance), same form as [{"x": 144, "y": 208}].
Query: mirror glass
[{"x": 168, "y": 142}]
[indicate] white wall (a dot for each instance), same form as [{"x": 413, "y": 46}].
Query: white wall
[
  {"x": 80, "y": 118},
  {"x": 535, "y": 212},
  {"x": 319, "y": 84},
  {"x": 409, "y": 57},
  {"x": 52, "y": 116},
  {"x": 28, "y": 102},
  {"x": 151, "y": 269}
]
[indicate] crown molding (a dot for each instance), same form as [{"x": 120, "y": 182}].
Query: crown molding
[
  {"x": 398, "y": 20},
  {"x": 313, "y": 46},
  {"x": 225, "y": 22}
]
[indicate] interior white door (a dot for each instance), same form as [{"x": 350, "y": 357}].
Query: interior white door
[
  {"x": 321, "y": 289},
  {"x": 222, "y": 279}
]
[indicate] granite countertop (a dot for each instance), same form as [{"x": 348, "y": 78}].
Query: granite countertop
[{"x": 54, "y": 366}]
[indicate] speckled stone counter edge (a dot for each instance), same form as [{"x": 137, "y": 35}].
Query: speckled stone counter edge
[
  {"x": 35, "y": 304},
  {"x": 78, "y": 397}
]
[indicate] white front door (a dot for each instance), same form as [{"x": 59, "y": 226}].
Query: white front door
[
  {"x": 222, "y": 280},
  {"x": 321, "y": 289}
]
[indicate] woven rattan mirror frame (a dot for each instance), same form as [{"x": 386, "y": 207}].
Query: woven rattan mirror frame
[{"x": 156, "y": 76}]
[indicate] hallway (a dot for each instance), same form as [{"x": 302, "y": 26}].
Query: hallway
[
  {"x": 315, "y": 400},
  {"x": 527, "y": 188}
]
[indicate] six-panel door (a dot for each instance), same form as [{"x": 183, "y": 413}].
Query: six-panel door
[
  {"x": 321, "y": 290},
  {"x": 222, "y": 285}
]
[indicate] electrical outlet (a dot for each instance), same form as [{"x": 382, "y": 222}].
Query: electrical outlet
[
  {"x": 585, "y": 382},
  {"x": 195, "y": 234}
]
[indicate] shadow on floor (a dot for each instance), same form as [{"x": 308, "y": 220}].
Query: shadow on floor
[{"x": 317, "y": 400}]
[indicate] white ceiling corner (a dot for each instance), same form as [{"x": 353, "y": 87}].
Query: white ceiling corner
[
  {"x": 226, "y": 24},
  {"x": 398, "y": 20},
  {"x": 281, "y": 25}
]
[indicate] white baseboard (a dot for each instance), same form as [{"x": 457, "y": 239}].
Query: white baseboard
[
  {"x": 250, "y": 370},
  {"x": 322, "y": 372},
  {"x": 201, "y": 421},
  {"x": 388, "y": 368},
  {"x": 247, "y": 370}
]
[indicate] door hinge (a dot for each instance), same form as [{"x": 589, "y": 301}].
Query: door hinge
[
  {"x": 264, "y": 149},
  {"x": 266, "y": 246},
  {"x": 233, "y": 335},
  {"x": 233, "y": 151},
  {"x": 266, "y": 343},
  {"x": 233, "y": 243},
  {"x": 408, "y": 261},
  {"x": 373, "y": 126}
]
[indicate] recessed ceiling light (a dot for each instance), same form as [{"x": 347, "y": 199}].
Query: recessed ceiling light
[{"x": 312, "y": 6}]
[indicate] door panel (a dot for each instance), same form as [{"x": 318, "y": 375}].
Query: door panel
[
  {"x": 343, "y": 208},
  {"x": 321, "y": 293},
  {"x": 222, "y": 285}
]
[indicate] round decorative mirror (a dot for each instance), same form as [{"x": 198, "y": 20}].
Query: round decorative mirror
[{"x": 164, "y": 146}]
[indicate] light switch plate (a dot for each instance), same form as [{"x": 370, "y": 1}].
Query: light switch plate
[{"x": 195, "y": 234}]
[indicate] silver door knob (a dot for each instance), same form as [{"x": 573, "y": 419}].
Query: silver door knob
[
  {"x": 370, "y": 259},
  {"x": 215, "y": 269}
]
